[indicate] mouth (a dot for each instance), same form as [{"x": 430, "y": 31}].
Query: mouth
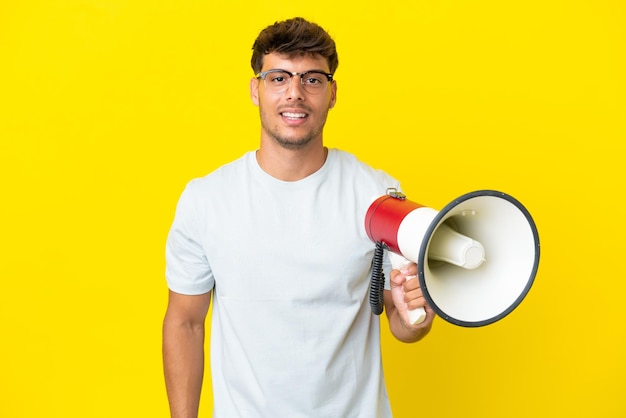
[{"x": 293, "y": 115}]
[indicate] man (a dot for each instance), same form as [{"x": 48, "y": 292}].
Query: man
[{"x": 276, "y": 239}]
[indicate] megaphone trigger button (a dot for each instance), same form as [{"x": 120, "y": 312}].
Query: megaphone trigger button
[{"x": 393, "y": 192}]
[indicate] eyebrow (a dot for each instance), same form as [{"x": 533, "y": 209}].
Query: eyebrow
[{"x": 297, "y": 72}]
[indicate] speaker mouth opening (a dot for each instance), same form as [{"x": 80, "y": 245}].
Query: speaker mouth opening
[{"x": 483, "y": 308}]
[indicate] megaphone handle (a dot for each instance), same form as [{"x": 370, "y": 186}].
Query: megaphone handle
[{"x": 418, "y": 315}]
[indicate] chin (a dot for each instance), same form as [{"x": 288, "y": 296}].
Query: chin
[{"x": 293, "y": 143}]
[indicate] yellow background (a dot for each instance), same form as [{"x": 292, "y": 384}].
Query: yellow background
[{"x": 108, "y": 107}]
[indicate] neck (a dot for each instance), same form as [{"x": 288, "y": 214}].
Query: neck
[{"x": 291, "y": 165}]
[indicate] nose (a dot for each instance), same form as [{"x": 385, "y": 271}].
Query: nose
[{"x": 295, "y": 90}]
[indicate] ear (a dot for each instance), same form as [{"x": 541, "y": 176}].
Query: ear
[
  {"x": 254, "y": 91},
  {"x": 333, "y": 95}
]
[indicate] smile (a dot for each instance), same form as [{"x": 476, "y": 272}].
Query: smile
[{"x": 292, "y": 115}]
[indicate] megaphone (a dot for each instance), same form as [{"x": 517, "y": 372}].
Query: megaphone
[{"x": 477, "y": 258}]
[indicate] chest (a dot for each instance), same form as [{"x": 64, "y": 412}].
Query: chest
[{"x": 304, "y": 244}]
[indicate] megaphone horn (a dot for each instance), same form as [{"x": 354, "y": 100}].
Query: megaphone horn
[{"x": 477, "y": 258}]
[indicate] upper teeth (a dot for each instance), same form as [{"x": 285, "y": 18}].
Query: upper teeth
[{"x": 293, "y": 115}]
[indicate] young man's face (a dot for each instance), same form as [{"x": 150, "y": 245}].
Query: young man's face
[{"x": 293, "y": 118}]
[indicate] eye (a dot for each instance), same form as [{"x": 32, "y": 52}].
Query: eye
[
  {"x": 277, "y": 78},
  {"x": 314, "y": 80}
]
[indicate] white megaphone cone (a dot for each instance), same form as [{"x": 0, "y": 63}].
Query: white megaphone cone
[{"x": 477, "y": 257}]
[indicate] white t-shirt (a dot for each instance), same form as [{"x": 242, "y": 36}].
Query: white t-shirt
[{"x": 292, "y": 333}]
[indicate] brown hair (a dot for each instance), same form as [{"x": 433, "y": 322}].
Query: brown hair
[{"x": 294, "y": 37}]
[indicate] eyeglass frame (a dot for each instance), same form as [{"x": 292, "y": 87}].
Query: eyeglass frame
[{"x": 264, "y": 74}]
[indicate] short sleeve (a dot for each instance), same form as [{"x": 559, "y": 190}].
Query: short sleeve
[{"x": 187, "y": 269}]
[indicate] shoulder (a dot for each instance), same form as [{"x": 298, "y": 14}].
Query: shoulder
[
  {"x": 220, "y": 179},
  {"x": 350, "y": 164},
  {"x": 202, "y": 192}
]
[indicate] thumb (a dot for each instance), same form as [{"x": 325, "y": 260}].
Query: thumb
[{"x": 397, "y": 278}]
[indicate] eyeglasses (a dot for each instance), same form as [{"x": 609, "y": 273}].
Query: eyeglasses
[{"x": 278, "y": 81}]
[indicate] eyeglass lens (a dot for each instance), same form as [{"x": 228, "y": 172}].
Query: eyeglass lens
[{"x": 313, "y": 82}]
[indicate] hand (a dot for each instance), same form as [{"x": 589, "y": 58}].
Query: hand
[{"x": 408, "y": 296}]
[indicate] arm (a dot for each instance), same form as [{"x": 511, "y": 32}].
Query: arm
[
  {"x": 403, "y": 296},
  {"x": 183, "y": 352}
]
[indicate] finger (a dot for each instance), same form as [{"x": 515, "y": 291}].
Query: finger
[
  {"x": 416, "y": 303},
  {"x": 411, "y": 283},
  {"x": 413, "y": 293},
  {"x": 396, "y": 278},
  {"x": 414, "y": 298},
  {"x": 409, "y": 269}
]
